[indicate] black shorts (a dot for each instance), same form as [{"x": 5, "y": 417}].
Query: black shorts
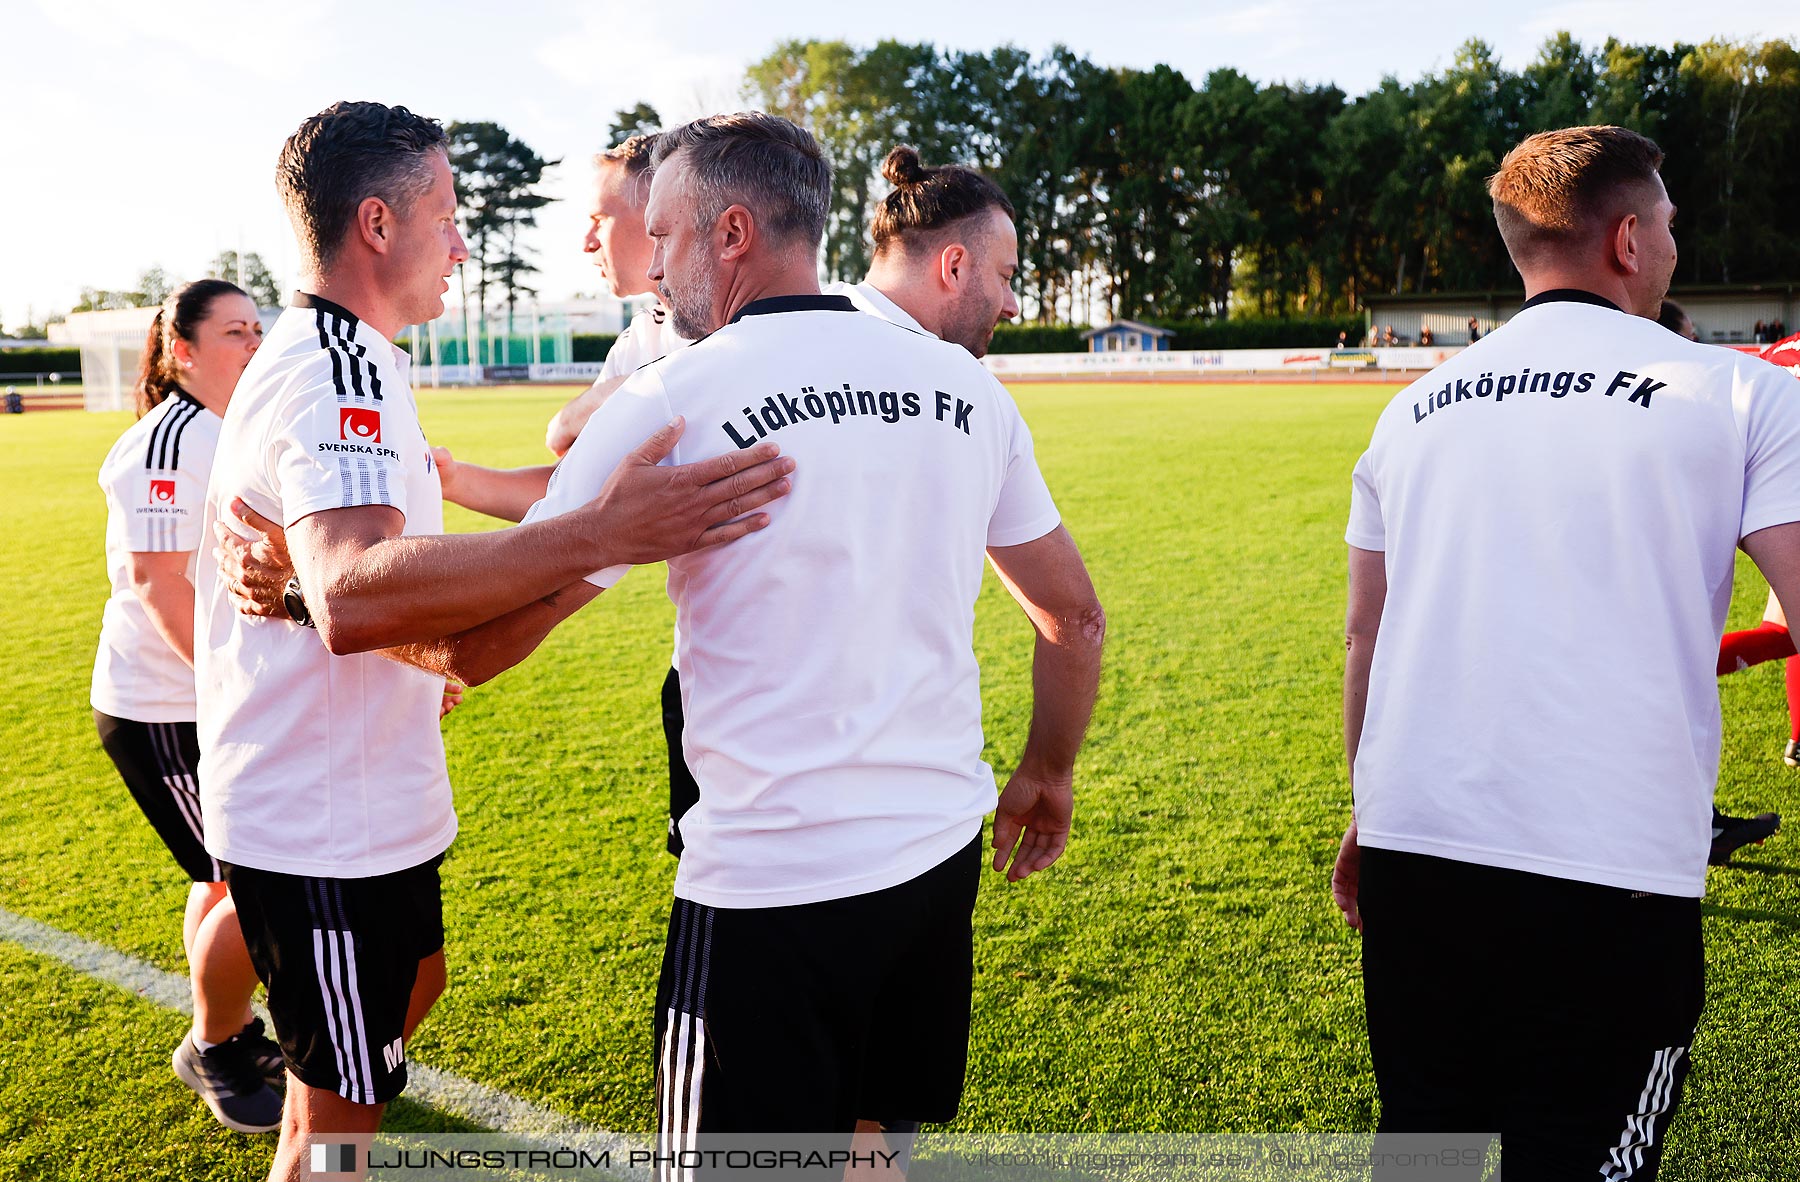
[
  {"x": 157, "y": 761},
  {"x": 806, "y": 1019},
  {"x": 339, "y": 957},
  {"x": 684, "y": 791},
  {"x": 1558, "y": 1014}
]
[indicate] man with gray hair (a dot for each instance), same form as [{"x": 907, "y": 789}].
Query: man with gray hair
[{"x": 834, "y": 717}]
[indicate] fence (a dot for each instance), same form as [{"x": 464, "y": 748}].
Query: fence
[
  {"x": 1190, "y": 364},
  {"x": 427, "y": 374}
]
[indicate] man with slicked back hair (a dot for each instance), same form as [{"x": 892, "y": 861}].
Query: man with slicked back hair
[{"x": 322, "y": 776}]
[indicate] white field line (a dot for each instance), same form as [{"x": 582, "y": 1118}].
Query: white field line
[{"x": 489, "y": 1107}]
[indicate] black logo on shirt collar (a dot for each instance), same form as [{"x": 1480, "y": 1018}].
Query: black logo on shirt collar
[{"x": 794, "y": 303}]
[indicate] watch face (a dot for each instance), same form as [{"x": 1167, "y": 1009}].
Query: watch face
[{"x": 296, "y": 606}]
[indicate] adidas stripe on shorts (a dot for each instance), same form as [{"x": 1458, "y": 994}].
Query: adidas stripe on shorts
[
  {"x": 806, "y": 1019},
  {"x": 339, "y": 957},
  {"x": 157, "y": 762},
  {"x": 1558, "y": 1014}
]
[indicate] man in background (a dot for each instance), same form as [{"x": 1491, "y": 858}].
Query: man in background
[{"x": 1530, "y": 706}]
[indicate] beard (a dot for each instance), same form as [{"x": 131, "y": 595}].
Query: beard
[
  {"x": 691, "y": 304},
  {"x": 970, "y": 322}
]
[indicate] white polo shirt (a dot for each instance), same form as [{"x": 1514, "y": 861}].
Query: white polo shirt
[
  {"x": 312, "y": 764},
  {"x": 869, "y": 298},
  {"x": 830, "y": 690},
  {"x": 1560, "y": 506},
  {"x": 634, "y": 351},
  {"x": 649, "y": 337},
  {"x": 154, "y": 479}
]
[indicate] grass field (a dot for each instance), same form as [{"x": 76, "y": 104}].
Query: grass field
[{"x": 1182, "y": 969}]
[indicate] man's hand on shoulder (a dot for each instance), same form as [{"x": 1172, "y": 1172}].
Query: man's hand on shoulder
[
  {"x": 647, "y": 512},
  {"x": 255, "y": 571}
]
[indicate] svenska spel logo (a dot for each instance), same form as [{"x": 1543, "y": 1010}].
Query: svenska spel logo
[
  {"x": 162, "y": 492},
  {"x": 359, "y": 424},
  {"x": 333, "y": 1159}
]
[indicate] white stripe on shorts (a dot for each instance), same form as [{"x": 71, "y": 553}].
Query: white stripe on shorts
[
  {"x": 360, "y": 1052},
  {"x": 324, "y": 961},
  {"x": 1627, "y": 1157}
]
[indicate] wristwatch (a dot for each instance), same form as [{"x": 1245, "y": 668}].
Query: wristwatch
[{"x": 296, "y": 604}]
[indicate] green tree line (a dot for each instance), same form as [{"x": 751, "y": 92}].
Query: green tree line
[{"x": 1143, "y": 194}]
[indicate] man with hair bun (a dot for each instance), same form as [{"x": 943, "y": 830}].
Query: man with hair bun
[
  {"x": 1541, "y": 537},
  {"x": 946, "y": 253},
  {"x": 833, "y": 720}
]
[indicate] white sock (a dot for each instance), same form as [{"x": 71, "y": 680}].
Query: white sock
[{"x": 201, "y": 1044}]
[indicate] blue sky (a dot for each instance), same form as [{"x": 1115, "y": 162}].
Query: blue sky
[{"x": 145, "y": 131}]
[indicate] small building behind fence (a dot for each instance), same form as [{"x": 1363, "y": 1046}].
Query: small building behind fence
[{"x": 1127, "y": 336}]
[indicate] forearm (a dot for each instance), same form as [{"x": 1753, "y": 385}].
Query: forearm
[
  {"x": 565, "y": 427},
  {"x": 506, "y": 493},
  {"x": 1362, "y": 625},
  {"x": 479, "y": 654},
  {"x": 409, "y": 590},
  {"x": 369, "y": 586},
  {"x": 1065, "y": 678},
  {"x": 1359, "y": 656},
  {"x": 168, "y": 600}
]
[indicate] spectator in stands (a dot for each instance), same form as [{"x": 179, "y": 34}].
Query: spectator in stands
[
  {"x": 1474, "y": 330},
  {"x": 1425, "y": 336},
  {"x": 1343, "y": 339},
  {"x": 1759, "y": 334},
  {"x": 1388, "y": 338},
  {"x": 1374, "y": 335}
]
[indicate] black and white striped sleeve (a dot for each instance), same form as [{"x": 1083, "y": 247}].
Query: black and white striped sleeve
[
  {"x": 162, "y": 491},
  {"x": 339, "y": 444}
]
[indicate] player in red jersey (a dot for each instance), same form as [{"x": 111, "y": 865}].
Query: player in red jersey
[{"x": 1767, "y": 641}]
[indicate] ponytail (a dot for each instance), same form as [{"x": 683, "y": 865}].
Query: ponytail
[{"x": 156, "y": 379}]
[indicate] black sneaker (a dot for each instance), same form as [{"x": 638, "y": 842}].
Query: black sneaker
[
  {"x": 1791, "y": 754},
  {"x": 228, "y": 1079},
  {"x": 1729, "y": 834},
  {"x": 264, "y": 1051}
]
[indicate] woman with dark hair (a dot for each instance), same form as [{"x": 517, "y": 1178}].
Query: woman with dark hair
[{"x": 154, "y": 479}]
